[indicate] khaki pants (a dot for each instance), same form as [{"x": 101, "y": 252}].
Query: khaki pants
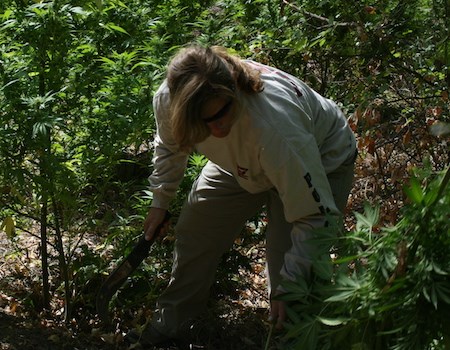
[{"x": 213, "y": 216}]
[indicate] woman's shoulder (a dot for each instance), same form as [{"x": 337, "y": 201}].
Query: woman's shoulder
[{"x": 163, "y": 89}]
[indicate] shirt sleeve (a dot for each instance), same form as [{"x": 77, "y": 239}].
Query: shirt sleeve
[
  {"x": 298, "y": 260},
  {"x": 169, "y": 163},
  {"x": 301, "y": 182}
]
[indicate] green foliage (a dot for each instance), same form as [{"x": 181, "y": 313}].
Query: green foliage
[
  {"x": 75, "y": 101},
  {"x": 196, "y": 162},
  {"x": 387, "y": 287}
]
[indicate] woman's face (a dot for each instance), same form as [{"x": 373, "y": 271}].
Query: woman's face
[{"x": 217, "y": 113}]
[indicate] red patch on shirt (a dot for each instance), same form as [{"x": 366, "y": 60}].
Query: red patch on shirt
[{"x": 242, "y": 172}]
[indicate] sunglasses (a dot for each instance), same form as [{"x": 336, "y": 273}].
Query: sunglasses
[{"x": 224, "y": 110}]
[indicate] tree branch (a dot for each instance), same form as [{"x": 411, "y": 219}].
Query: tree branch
[{"x": 318, "y": 17}]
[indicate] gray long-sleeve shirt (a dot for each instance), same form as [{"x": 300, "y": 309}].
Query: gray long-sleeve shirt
[{"x": 287, "y": 137}]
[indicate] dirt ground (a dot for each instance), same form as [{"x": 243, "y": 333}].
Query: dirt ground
[
  {"x": 240, "y": 321},
  {"x": 18, "y": 333}
]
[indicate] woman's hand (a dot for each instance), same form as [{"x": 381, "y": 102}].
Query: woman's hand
[
  {"x": 154, "y": 218},
  {"x": 277, "y": 313}
]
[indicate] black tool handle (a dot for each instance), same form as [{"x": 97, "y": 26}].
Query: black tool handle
[
  {"x": 121, "y": 273},
  {"x": 142, "y": 248}
]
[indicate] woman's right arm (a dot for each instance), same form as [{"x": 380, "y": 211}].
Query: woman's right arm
[{"x": 169, "y": 163}]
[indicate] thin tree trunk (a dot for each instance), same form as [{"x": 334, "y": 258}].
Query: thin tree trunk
[
  {"x": 44, "y": 256},
  {"x": 63, "y": 266}
]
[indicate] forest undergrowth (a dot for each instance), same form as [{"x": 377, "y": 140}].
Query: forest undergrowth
[
  {"x": 76, "y": 85},
  {"x": 238, "y": 310}
]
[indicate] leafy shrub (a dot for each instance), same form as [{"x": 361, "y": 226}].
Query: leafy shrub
[{"x": 387, "y": 287}]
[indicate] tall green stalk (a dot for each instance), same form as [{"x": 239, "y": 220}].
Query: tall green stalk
[{"x": 44, "y": 255}]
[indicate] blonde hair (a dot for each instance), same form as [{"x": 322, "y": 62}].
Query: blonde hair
[{"x": 197, "y": 74}]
